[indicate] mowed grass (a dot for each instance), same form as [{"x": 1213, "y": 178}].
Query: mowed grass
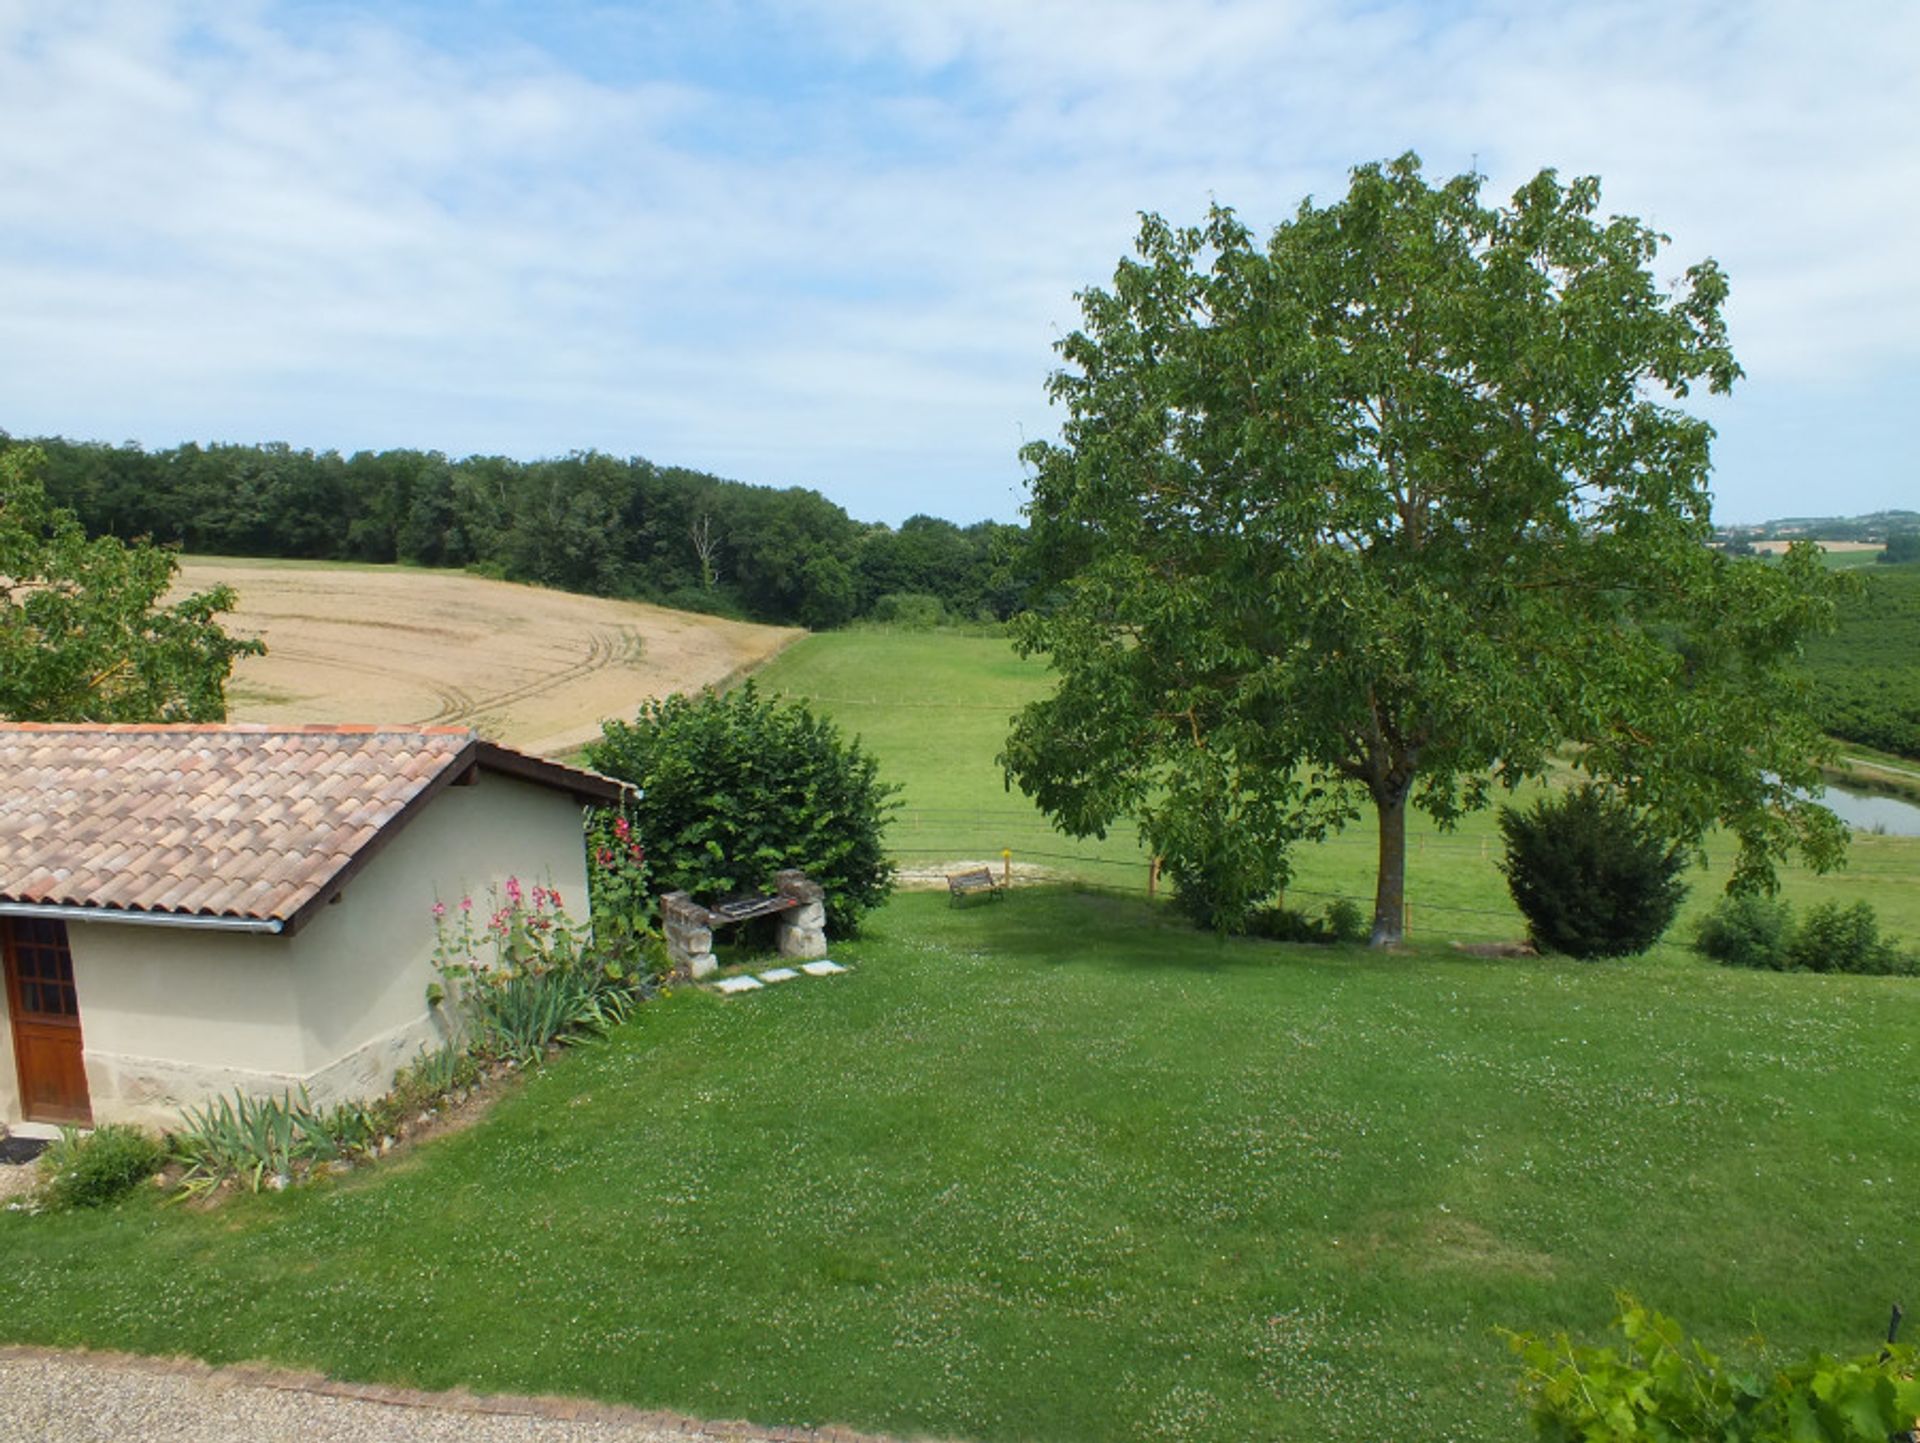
[
  {"x": 1056, "y": 1168},
  {"x": 934, "y": 708},
  {"x": 1060, "y": 1168}
]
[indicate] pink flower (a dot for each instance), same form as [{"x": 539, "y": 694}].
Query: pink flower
[
  {"x": 605, "y": 857},
  {"x": 439, "y": 909},
  {"x": 553, "y": 896},
  {"x": 621, "y": 829},
  {"x": 513, "y": 890},
  {"x": 466, "y": 904}
]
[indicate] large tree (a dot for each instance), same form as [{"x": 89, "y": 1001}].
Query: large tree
[
  {"x": 86, "y": 634},
  {"x": 1384, "y": 513}
]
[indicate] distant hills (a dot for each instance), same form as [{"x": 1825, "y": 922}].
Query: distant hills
[{"x": 1874, "y": 526}]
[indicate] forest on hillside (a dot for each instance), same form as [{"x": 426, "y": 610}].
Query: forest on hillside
[{"x": 586, "y": 522}]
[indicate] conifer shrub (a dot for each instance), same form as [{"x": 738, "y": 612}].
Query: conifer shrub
[{"x": 1592, "y": 877}]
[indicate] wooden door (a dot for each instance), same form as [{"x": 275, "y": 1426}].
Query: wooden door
[{"x": 46, "y": 1021}]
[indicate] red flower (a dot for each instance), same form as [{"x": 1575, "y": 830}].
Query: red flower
[{"x": 621, "y": 829}]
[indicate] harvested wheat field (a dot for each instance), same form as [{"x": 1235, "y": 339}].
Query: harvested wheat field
[{"x": 533, "y": 668}]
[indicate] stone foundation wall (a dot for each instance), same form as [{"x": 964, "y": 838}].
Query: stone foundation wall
[{"x": 154, "y": 1091}]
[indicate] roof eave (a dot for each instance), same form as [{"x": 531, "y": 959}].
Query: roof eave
[{"x": 130, "y": 917}]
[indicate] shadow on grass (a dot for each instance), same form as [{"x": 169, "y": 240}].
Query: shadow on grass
[{"x": 1055, "y": 925}]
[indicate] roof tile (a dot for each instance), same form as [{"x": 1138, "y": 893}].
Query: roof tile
[{"x": 236, "y": 820}]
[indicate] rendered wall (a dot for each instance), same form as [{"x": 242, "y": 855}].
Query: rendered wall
[
  {"x": 171, "y": 1017},
  {"x": 363, "y": 965}
]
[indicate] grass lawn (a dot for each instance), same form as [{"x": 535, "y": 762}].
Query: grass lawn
[
  {"x": 1057, "y": 1168},
  {"x": 933, "y": 707}
]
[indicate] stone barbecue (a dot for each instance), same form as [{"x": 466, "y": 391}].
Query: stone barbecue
[{"x": 796, "y": 900}]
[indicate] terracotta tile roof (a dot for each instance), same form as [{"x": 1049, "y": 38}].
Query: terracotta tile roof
[{"x": 236, "y": 821}]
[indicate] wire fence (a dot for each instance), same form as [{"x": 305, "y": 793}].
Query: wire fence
[
  {"x": 1020, "y": 840},
  {"x": 925, "y": 839}
]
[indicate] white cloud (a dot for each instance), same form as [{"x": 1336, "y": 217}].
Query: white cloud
[{"x": 215, "y": 223}]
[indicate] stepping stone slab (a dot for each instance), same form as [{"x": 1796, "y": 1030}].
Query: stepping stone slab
[
  {"x": 822, "y": 968},
  {"x": 737, "y": 984},
  {"x": 779, "y": 974}
]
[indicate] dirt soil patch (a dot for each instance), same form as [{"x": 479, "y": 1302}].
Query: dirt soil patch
[
  {"x": 532, "y": 668},
  {"x": 932, "y": 876}
]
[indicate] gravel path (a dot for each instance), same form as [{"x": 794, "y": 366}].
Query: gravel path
[{"x": 54, "y": 1397}]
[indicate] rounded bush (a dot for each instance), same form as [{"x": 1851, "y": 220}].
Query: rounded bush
[
  {"x": 735, "y": 788},
  {"x": 93, "y": 1169},
  {"x": 913, "y": 610},
  {"x": 1592, "y": 877},
  {"x": 1833, "y": 938},
  {"x": 1747, "y": 931}
]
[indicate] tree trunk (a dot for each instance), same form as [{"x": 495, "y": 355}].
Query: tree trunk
[{"x": 1390, "y": 886}]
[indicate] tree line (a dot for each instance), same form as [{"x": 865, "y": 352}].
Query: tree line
[{"x": 587, "y": 522}]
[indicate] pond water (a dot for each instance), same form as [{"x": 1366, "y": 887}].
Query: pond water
[{"x": 1869, "y": 811}]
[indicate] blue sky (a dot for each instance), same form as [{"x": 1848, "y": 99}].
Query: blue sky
[{"x": 830, "y": 244}]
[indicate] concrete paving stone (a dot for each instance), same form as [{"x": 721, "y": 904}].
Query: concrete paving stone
[
  {"x": 779, "y": 974},
  {"x": 737, "y": 984},
  {"x": 822, "y": 968}
]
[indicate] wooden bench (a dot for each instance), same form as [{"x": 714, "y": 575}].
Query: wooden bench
[{"x": 965, "y": 884}]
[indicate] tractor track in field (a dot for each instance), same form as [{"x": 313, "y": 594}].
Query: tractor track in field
[{"x": 604, "y": 651}]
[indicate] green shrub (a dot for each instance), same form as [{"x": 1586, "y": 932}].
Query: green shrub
[
  {"x": 736, "y": 788},
  {"x": 1747, "y": 931},
  {"x": 1590, "y": 874},
  {"x": 1662, "y": 1387},
  {"x": 1342, "y": 921},
  {"x": 1833, "y": 938},
  {"x": 87, "y": 1170},
  {"x": 912, "y": 609}
]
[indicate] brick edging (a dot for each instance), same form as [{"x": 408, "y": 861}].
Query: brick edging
[{"x": 458, "y": 1400}]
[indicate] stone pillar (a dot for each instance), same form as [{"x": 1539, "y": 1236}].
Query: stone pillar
[
  {"x": 689, "y": 932},
  {"x": 803, "y": 929}
]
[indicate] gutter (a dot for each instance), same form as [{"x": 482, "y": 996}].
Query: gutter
[{"x": 141, "y": 919}]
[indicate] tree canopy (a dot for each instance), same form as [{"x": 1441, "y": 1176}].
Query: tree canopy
[
  {"x": 85, "y": 631},
  {"x": 1385, "y": 513}
]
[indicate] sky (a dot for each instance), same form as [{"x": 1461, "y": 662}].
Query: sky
[{"x": 832, "y": 244}]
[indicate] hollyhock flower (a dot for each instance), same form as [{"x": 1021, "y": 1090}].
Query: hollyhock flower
[
  {"x": 513, "y": 890},
  {"x": 466, "y": 904},
  {"x": 621, "y": 828},
  {"x": 439, "y": 909},
  {"x": 605, "y": 857}
]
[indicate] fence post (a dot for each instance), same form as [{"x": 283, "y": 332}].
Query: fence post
[{"x": 1006, "y": 866}]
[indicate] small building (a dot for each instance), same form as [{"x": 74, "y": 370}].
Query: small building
[{"x": 186, "y": 910}]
